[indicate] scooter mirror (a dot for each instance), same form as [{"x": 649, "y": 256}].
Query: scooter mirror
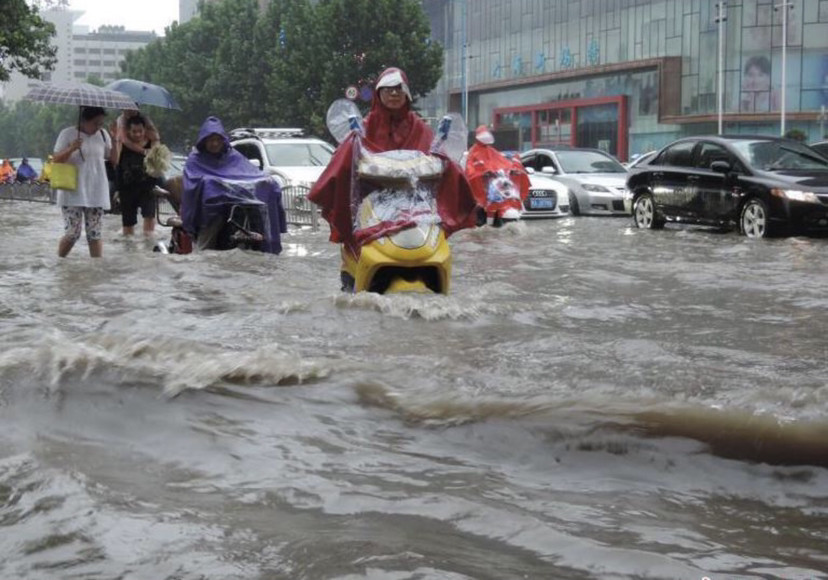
[
  {"x": 451, "y": 137},
  {"x": 343, "y": 117}
]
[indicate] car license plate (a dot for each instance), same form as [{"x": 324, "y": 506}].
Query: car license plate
[{"x": 541, "y": 203}]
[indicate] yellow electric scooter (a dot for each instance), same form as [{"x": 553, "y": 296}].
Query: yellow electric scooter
[{"x": 398, "y": 187}]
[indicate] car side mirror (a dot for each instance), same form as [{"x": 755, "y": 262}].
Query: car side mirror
[
  {"x": 530, "y": 170},
  {"x": 256, "y": 162},
  {"x": 720, "y": 167},
  {"x": 548, "y": 169}
]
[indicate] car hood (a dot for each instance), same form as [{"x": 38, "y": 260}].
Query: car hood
[
  {"x": 807, "y": 180},
  {"x": 538, "y": 181},
  {"x": 298, "y": 175}
]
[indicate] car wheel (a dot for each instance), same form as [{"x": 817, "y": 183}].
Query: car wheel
[
  {"x": 753, "y": 221},
  {"x": 645, "y": 216},
  {"x": 574, "y": 208}
]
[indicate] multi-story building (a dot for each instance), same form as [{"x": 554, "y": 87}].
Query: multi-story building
[
  {"x": 631, "y": 75},
  {"x": 82, "y": 54}
]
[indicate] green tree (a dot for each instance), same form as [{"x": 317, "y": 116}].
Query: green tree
[
  {"x": 282, "y": 67},
  {"x": 356, "y": 40},
  {"x": 291, "y": 32},
  {"x": 25, "y": 41},
  {"x": 29, "y": 129},
  {"x": 239, "y": 64}
]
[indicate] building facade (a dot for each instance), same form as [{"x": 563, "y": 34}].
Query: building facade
[
  {"x": 81, "y": 54},
  {"x": 629, "y": 76}
]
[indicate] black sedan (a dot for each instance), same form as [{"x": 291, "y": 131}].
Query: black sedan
[{"x": 765, "y": 185}]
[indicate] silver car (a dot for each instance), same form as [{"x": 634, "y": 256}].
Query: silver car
[{"x": 595, "y": 181}]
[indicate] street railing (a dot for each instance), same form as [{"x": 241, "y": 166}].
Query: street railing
[
  {"x": 298, "y": 209},
  {"x": 38, "y": 192}
]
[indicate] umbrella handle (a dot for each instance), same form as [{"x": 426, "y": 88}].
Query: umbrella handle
[{"x": 80, "y": 149}]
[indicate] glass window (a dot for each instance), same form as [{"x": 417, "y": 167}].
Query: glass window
[
  {"x": 774, "y": 155},
  {"x": 710, "y": 152},
  {"x": 679, "y": 155},
  {"x": 298, "y": 154},
  {"x": 576, "y": 161}
]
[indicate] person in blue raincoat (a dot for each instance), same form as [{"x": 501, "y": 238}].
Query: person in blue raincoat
[
  {"x": 217, "y": 177},
  {"x": 26, "y": 173}
]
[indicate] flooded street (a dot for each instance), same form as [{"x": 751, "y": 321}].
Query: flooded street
[{"x": 591, "y": 401}]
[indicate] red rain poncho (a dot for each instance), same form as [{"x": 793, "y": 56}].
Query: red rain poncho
[
  {"x": 387, "y": 130},
  {"x": 485, "y": 159}
]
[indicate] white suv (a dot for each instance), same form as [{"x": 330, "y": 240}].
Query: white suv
[{"x": 292, "y": 158}]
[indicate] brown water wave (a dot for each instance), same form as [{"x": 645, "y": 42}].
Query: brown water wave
[{"x": 732, "y": 434}]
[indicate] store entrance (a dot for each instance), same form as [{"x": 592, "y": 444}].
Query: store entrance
[
  {"x": 599, "y": 123},
  {"x": 598, "y": 128}
]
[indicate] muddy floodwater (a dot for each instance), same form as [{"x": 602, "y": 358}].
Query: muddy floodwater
[{"x": 591, "y": 401}]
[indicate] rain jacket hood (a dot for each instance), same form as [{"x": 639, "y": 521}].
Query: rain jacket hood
[
  {"x": 400, "y": 129},
  {"x": 212, "y": 126}
]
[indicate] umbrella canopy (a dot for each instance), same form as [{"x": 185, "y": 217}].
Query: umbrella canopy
[
  {"x": 145, "y": 93},
  {"x": 80, "y": 94}
]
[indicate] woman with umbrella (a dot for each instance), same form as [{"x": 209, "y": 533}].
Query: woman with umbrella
[{"x": 86, "y": 146}]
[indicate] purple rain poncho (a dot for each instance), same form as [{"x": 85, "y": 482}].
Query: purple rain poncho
[
  {"x": 26, "y": 173},
  {"x": 215, "y": 183}
]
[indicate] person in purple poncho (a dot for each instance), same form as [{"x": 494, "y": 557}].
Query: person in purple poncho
[
  {"x": 26, "y": 173},
  {"x": 217, "y": 178}
]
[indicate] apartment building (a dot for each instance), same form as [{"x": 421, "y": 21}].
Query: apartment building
[{"x": 81, "y": 54}]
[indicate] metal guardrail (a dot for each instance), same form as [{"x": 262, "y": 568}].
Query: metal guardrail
[
  {"x": 298, "y": 209},
  {"x": 39, "y": 192}
]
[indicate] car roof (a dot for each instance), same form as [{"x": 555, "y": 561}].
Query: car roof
[
  {"x": 730, "y": 138},
  {"x": 567, "y": 149}
]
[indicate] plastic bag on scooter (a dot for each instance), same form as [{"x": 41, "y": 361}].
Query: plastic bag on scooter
[
  {"x": 389, "y": 210},
  {"x": 399, "y": 165}
]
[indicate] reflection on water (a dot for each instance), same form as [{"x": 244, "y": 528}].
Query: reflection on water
[{"x": 591, "y": 401}]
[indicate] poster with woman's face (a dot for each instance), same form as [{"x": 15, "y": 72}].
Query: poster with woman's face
[{"x": 756, "y": 85}]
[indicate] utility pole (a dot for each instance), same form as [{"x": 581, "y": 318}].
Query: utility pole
[
  {"x": 720, "y": 20},
  {"x": 784, "y": 5},
  {"x": 464, "y": 60}
]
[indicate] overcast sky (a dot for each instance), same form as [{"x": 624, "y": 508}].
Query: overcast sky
[{"x": 133, "y": 14}]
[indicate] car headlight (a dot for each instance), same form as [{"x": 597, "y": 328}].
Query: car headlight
[
  {"x": 795, "y": 195},
  {"x": 596, "y": 188}
]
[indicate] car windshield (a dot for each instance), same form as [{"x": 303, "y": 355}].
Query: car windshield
[
  {"x": 588, "y": 162},
  {"x": 299, "y": 154},
  {"x": 780, "y": 155}
]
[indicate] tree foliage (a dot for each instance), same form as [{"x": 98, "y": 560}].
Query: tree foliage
[
  {"x": 283, "y": 66},
  {"x": 30, "y": 129},
  {"x": 278, "y": 68},
  {"x": 25, "y": 41}
]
